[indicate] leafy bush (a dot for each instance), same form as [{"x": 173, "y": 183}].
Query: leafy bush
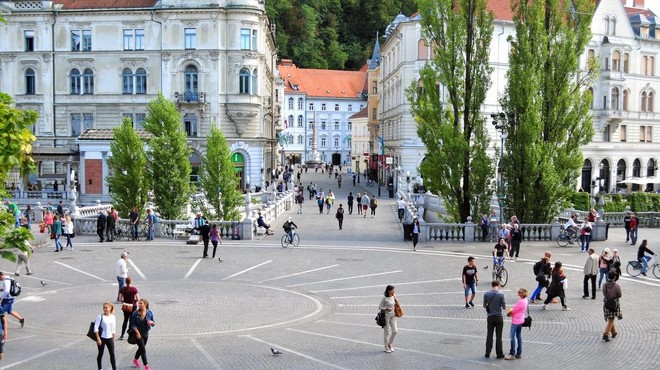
[
  {"x": 614, "y": 207},
  {"x": 581, "y": 200}
]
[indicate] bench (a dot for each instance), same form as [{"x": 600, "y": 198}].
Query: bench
[{"x": 180, "y": 229}]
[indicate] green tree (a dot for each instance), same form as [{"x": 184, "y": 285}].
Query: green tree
[
  {"x": 15, "y": 153},
  {"x": 168, "y": 168},
  {"x": 547, "y": 106},
  {"x": 217, "y": 176},
  {"x": 128, "y": 180},
  {"x": 451, "y": 126}
]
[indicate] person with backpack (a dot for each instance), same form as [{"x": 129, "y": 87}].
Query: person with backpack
[
  {"x": 10, "y": 289},
  {"x": 373, "y": 205},
  {"x": 300, "y": 199},
  {"x": 542, "y": 270}
]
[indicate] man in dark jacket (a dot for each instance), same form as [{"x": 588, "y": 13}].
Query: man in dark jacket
[
  {"x": 205, "y": 231},
  {"x": 100, "y": 225},
  {"x": 109, "y": 227}
]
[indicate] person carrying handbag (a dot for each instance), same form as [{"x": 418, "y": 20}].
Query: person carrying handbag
[
  {"x": 611, "y": 306},
  {"x": 104, "y": 327},
  {"x": 390, "y": 329}
]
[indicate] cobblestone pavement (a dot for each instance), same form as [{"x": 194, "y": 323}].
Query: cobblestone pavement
[{"x": 316, "y": 303}]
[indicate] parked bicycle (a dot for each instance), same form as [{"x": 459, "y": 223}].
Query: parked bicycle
[
  {"x": 634, "y": 268},
  {"x": 286, "y": 240},
  {"x": 565, "y": 237}
]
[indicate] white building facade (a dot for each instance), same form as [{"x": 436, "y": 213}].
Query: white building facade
[{"x": 86, "y": 66}]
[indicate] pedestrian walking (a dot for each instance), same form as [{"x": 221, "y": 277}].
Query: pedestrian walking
[
  {"x": 590, "y": 273},
  {"x": 358, "y": 200},
  {"x": 205, "y": 233},
  {"x": 300, "y": 199},
  {"x": 109, "y": 227},
  {"x": 339, "y": 178},
  {"x": 634, "y": 228},
  {"x": 134, "y": 218},
  {"x": 516, "y": 239},
  {"x": 22, "y": 256},
  {"x": 616, "y": 264},
  {"x": 215, "y": 239},
  {"x": 57, "y": 231},
  {"x": 390, "y": 328},
  {"x": 105, "y": 327},
  {"x": 68, "y": 231},
  {"x": 340, "y": 215},
  {"x": 60, "y": 209},
  {"x": 15, "y": 211},
  {"x": 354, "y": 177},
  {"x": 49, "y": 218},
  {"x": 365, "y": 204},
  {"x": 350, "y": 203},
  {"x": 542, "y": 270},
  {"x": 585, "y": 234},
  {"x": 626, "y": 224},
  {"x": 28, "y": 215},
  {"x": 121, "y": 270},
  {"x": 7, "y": 303},
  {"x": 611, "y": 307},
  {"x": 129, "y": 298},
  {"x": 329, "y": 200},
  {"x": 415, "y": 233},
  {"x": 150, "y": 221},
  {"x": 604, "y": 265},
  {"x": 100, "y": 225},
  {"x": 320, "y": 201},
  {"x": 470, "y": 281},
  {"x": 142, "y": 321},
  {"x": 373, "y": 205},
  {"x": 557, "y": 287},
  {"x": 517, "y": 315},
  {"x": 494, "y": 303}
]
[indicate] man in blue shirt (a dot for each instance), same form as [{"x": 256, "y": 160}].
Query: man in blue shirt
[{"x": 494, "y": 303}]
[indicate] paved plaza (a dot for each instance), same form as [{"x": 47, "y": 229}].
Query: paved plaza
[{"x": 316, "y": 303}]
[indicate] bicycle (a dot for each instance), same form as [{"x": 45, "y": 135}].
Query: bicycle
[
  {"x": 286, "y": 241},
  {"x": 634, "y": 268},
  {"x": 565, "y": 238},
  {"x": 500, "y": 273}
]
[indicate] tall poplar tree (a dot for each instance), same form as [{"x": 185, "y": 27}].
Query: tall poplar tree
[
  {"x": 168, "y": 168},
  {"x": 218, "y": 178},
  {"x": 547, "y": 106},
  {"x": 128, "y": 180},
  {"x": 447, "y": 103}
]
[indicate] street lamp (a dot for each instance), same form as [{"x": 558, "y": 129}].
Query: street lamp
[{"x": 500, "y": 121}]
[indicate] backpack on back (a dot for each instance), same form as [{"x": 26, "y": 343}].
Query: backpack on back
[
  {"x": 537, "y": 267},
  {"x": 14, "y": 288}
]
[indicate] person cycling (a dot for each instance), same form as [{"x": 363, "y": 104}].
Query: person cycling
[
  {"x": 642, "y": 257},
  {"x": 401, "y": 205},
  {"x": 498, "y": 253},
  {"x": 571, "y": 228},
  {"x": 288, "y": 227}
]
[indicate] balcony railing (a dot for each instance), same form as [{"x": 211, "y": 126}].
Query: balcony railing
[{"x": 190, "y": 97}]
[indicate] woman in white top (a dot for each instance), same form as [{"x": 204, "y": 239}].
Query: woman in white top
[
  {"x": 390, "y": 329},
  {"x": 68, "y": 230},
  {"x": 107, "y": 325}
]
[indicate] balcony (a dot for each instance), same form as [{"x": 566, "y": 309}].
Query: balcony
[{"x": 190, "y": 97}]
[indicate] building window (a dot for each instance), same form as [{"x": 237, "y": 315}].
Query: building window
[
  {"x": 310, "y": 125},
  {"x": 190, "y": 124},
  {"x": 648, "y": 65},
  {"x": 190, "y": 38},
  {"x": 134, "y": 39},
  {"x": 323, "y": 142},
  {"x": 616, "y": 58},
  {"x": 374, "y": 113},
  {"x": 30, "y": 82},
  {"x": 245, "y": 39},
  {"x": 300, "y": 139},
  {"x": 88, "y": 82},
  {"x": 139, "y": 39},
  {"x": 323, "y": 106},
  {"x": 336, "y": 107},
  {"x": 649, "y": 104},
  {"x": 128, "y": 40},
  {"x": 614, "y": 99},
  {"x": 349, "y": 142},
  {"x": 255, "y": 82},
  {"x": 606, "y": 134},
  {"x": 322, "y": 125},
  {"x": 336, "y": 142},
  {"x": 244, "y": 81},
  {"x": 310, "y": 141},
  {"x": 141, "y": 81},
  {"x": 350, "y": 107},
  {"x": 612, "y": 26},
  {"x": 127, "y": 81},
  {"x": 311, "y": 106},
  {"x": 350, "y": 126},
  {"x": 80, "y": 122},
  {"x": 289, "y": 122},
  {"x": 29, "y": 40},
  {"x": 300, "y": 121},
  {"x": 289, "y": 139},
  {"x": 301, "y": 103},
  {"x": 254, "y": 39},
  {"x": 649, "y": 134},
  {"x": 625, "y": 100},
  {"x": 290, "y": 103},
  {"x": 623, "y": 135},
  {"x": 645, "y": 134},
  {"x": 336, "y": 125},
  {"x": 81, "y": 40},
  {"x": 374, "y": 89},
  {"x": 74, "y": 77},
  {"x": 626, "y": 62},
  {"x": 591, "y": 92},
  {"x": 137, "y": 119},
  {"x": 191, "y": 83},
  {"x": 75, "y": 40}
]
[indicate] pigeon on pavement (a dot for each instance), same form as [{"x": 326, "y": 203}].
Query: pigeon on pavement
[
  {"x": 275, "y": 352},
  {"x": 43, "y": 283}
]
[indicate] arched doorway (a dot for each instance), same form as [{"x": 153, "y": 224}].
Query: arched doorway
[
  {"x": 195, "y": 163},
  {"x": 604, "y": 176},
  {"x": 587, "y": 169},
  {"x": 238, "y": 161},
  {"x": 336, "y": 159},
  {"x": 636, "y": 172},
  {"x": 621, "y": 173},
  {"x": 651, "y": 168}
]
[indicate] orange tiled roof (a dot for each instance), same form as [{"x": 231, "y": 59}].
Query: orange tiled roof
[
  {"x": 322, "y": 83},
  {"x": 634, "y": 11},
  {"x": 105, "y": 4},
  {"x": 361, "y": 114},
  {"x": 501, "y": 9}
]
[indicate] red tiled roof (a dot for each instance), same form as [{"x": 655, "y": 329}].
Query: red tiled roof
[
  {"x": 105, "y": 4},
  {"x": 501, "y": 9},
  {"x": 324, "y": 83},
  {"x": 634, "y": 11},
  {"x": 361, "y": 114}
]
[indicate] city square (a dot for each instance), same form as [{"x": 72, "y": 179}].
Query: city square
[{"x": 316, "y": 303}]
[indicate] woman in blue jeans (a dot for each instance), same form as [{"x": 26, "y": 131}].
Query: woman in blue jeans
[
  {"x": 604, "y": 262},
  {"x": 517, "y": 314},
  {"x": 142, "y": 320}
]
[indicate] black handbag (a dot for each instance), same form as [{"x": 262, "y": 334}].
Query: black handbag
[
  {"x": 90, "y": 332},
  {"x": 132, "y": 337},
  {"x": 611, "y": 304},
  {"x": 527, "y": 323},
  {"x": 380, "y": 318}
]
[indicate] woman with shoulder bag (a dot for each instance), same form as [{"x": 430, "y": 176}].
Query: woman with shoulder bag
[
  {"x": 611, "y": 307},
  {"x": 556, "y": 288},
  {"x": 129, "y": 298},
  {"x": 390, "y": 329},
  {"x": 106, "y": 325},
  {"x": 141, "y": 322}
]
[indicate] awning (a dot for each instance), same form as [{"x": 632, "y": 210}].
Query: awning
[{"x": 640, "y": 180}]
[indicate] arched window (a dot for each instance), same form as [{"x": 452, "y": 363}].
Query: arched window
[
  {"x": 626, "y": 62},
  {"x": 607, "y": 25},
  {"x": 301, "y": 103},
  {"x": 591, "y": 91},
  {"x": 644, "y": 101},
  {"x": 636, "y": 172},
  {"x": 649, "y": 104},
  {"x": 625, "y": 100},
  {"x": 614, "y": 99},
  {"x": 244, "y": 81},
  {"x": 255, "y": 82},
  {"x": 291, "y": 103},
  {"x": 191, "y": 83},
  {"x": 140, "y": 81},
  {"x": 88, "y": 81},
  {"x": 300, "y": 121},
  {"x": 621, "y": 170},
  {"x": 422, "y": 49},
  {"x": 613, "y": 26},
  {"x": 74, "y": 77},
  {"x": 30, "y": 82},
  {"x": 127, "y": 81},
  {"x": 289, "y": 121},
  {"x": 616, "y": 60},
  {"x": 586, "y": 175},
  {"x": 190, "y": 124}
]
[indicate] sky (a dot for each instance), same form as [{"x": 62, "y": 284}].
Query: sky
[{"x": 654, "y": 5}]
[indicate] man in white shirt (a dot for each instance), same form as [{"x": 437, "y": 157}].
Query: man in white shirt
[
  {"x": 8, "y": 299},
  {"x": 401, "y": 205},
  {"x": 571, "y": 227},
  {"x": 121, "y": 270}
]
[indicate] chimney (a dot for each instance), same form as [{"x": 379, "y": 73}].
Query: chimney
[{"x": 639, "y": 4}]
